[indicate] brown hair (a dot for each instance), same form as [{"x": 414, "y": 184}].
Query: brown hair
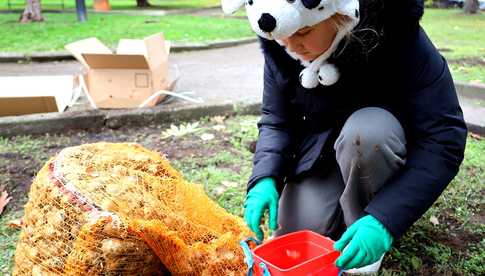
[{"x": 339, "y": 21}]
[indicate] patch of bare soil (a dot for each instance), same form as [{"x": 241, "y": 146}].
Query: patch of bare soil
[{"x": 17, "y": 171}]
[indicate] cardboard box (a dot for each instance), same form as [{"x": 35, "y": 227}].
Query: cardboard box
[
  {"x": 35, "y": 94},
  {"x": 127, "y": 78}
]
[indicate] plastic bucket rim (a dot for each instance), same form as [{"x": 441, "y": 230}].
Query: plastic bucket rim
[
  {"x": 268, "y": 264},
  {"x": 261, "y": 260}
]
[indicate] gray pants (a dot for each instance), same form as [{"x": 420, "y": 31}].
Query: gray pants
[{"x": 369, "y": 150}]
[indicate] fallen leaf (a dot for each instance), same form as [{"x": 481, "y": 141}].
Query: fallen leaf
[
  {"x": 4, "y": 200},
  {"x": 181, "y": 130},
  {"x": 229, "y": 184},
  {"x": 434, "y": 220},
  {"x": 15, "y": 223},
  {"x": 219, "y": 127},
  {"x": 207, "y": 136},
  {"x": 218, "y": 119}
]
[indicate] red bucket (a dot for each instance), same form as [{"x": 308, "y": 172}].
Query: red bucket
[{"x": 299, "y": 253}]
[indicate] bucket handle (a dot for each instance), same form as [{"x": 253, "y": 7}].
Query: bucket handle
[
  {"x": 265, "y": 269},
  {"x": 247, "y": 253}
]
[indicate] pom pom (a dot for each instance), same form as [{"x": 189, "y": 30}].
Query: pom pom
[
  {"x": 308, "y": 78},
  {"x": 328, "y": 74}
]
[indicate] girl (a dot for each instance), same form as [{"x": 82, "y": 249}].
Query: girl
[{"x": 367, "y": 155}]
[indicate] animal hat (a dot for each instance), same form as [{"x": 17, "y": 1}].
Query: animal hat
[{"x": 277, "y": 19}]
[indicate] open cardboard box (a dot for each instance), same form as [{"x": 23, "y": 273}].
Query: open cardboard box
[
  {"x": 22, "y": 95},
  {"x": 129, "y": 78}
]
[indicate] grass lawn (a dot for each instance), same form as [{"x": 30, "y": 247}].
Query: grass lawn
[
  {"x": 460, "y": 37},
  {"x": 60, "y": 29},
  {"x": 448, "y": 240},
  {"x": 115, "y": 4},
  {"x": 462, "y": 41}
]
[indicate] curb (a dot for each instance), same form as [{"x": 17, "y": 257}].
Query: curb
[
  {"x": 96, "y": 119},
  {"x": 161, "y": 114},
  {"x": 176, "y": 48},
  {"x": 474, "y": 128},
  {"x": 194, "y": 10},
  {"x": 471, "y": 90},
  {"x": 474, "y": 92}
]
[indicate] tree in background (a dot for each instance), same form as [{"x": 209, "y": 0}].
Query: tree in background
[
  {"x": 32, "y": 12},
  {"x": 142, "y": 3},
  {"x": 471, "y": 6}
]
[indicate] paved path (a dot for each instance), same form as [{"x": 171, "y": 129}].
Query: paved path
[
  {"x": 228, "y": 75},
  {"x": 474, "y": 113},
  {"x": 219, "y": 76}
]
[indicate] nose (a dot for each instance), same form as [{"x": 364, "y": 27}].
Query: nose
[{"x": 267, "y": 23}]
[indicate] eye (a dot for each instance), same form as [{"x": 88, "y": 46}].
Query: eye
[
  {"x": 250, "y": 2},
  {"x": 291, "y": 1}
]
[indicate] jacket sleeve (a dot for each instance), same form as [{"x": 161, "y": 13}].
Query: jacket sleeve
[
  {"x": 436, "y": 137},
  {"x": 276, "y": 130}
]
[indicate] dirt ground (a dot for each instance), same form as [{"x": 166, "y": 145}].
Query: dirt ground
[
  {"x": 452, "y": 247},
  {"x": 19, "y": 168}
]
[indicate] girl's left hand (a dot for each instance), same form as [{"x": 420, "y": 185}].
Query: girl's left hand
[{"x": 364, "y": 242}]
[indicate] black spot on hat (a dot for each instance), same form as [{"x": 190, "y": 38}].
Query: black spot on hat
[{"x": 310, "y": 4}]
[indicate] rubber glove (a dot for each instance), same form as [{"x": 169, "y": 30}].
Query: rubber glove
[
  {"x": 367, "y": 241},
  {"x": 261, "y": 197}
]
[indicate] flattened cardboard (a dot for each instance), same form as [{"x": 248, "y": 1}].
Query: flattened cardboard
[
  {"x": 127, "y": 78},
  {"x": 35, "y": 94}
]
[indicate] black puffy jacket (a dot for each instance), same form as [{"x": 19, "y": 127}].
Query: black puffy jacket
[{"x": 388, "y": 62}]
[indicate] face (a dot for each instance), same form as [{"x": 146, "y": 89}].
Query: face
[
  {"x": 310, "y": 42},
  {"x": 276, "y": 19}
]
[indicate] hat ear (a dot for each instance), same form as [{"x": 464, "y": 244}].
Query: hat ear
[
  {"x": 349, "y": 8},
  {"x": 231, "y": 6}
]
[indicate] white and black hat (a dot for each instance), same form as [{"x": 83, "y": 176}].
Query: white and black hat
[{"x": 277, "y": 19}]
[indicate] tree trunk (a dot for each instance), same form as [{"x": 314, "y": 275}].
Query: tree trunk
[
  {"x": 471, "y": 6},
  {"x": 142, "y": 3},
  {"x": 32, "y": 12}
]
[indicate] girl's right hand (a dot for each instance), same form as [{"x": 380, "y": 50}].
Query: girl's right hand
[{"x": 261, "y": 197}]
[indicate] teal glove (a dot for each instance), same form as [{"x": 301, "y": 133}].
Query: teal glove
[
  {"x": 261, "y": 197},
  {"x": 367, "y": 241}
]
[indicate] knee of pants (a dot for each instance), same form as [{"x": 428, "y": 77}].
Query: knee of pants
[{"x": 367, "y": 134}]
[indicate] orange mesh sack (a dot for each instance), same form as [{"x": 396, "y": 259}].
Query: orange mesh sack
[{"x": 110, "y": 208}]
